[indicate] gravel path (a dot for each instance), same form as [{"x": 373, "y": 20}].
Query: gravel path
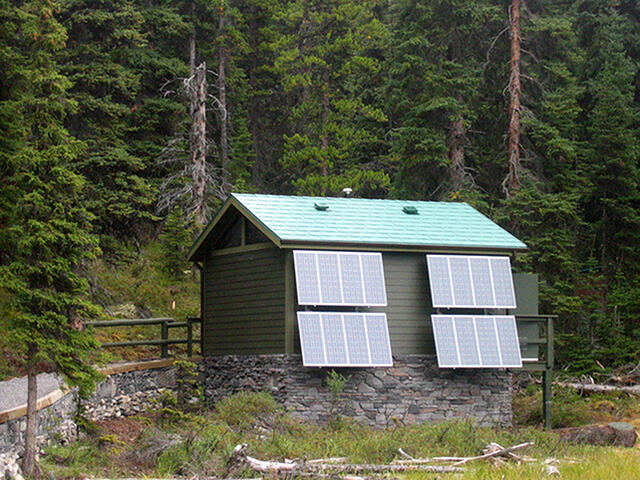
[{"x": 13, "y": 393}]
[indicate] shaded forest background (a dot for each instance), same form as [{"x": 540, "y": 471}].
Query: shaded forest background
[{"x": 392, "y": 98}]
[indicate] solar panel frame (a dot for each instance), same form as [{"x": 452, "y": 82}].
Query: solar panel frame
[
  {"x": 304, "y": 281},
  {"x": 342, "y": 338},
  {"x": 439, "y": 299},
  {"x": 438, "y": 321}
]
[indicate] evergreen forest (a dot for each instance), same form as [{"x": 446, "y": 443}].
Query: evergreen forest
[{"x": 116, "y": 115}]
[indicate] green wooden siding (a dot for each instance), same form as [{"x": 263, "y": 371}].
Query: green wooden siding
[
  {"x": 244, "y": 303},
  {"x": 408, "y": 303}
]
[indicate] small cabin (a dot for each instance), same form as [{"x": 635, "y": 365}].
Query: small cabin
[{"x": 412, "y": 302}]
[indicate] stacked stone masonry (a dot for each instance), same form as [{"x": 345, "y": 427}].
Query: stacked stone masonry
[{"x": 414, "y": 390}]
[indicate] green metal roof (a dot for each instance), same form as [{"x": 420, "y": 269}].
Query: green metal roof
[{"x": 291, "y": 220}]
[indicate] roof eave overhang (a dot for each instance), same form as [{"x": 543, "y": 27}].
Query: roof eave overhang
[
  {"x": 390, "y": 247},
  {"x": 196, "y": 253}
]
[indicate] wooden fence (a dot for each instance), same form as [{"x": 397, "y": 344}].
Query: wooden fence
[{"x": 163, "y": 342}]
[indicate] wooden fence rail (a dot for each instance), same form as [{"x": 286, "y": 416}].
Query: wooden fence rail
[{"x": 165, "y": 323}]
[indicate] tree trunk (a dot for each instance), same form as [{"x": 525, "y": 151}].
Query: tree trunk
[
  {"x": 222, "y": 93},
  {"x": 199, "y": 142},
  {"x": 29, "y": 466},
  {"x": 325, "y": 124},
  {"x": 512, "y": 182},
  {"x": 457, "y": 137},
  {"x": 255, "y": 124}
]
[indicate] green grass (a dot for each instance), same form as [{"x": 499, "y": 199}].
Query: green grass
[
  {"x": 138, "y": 278},
  {"x": 570, "y": 409},
  {"x": 200, "y": 444}
]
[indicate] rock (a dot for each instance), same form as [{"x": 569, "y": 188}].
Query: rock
[
  {"x": 123, "y": 310},
  {"x": 616, "y": 433},
  {"x": 10, "y": 467}
]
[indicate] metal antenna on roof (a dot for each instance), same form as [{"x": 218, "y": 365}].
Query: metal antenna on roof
[{"x": 347, "y": 192}]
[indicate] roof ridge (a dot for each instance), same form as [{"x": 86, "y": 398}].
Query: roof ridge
[{"x": 309, "y": 197}]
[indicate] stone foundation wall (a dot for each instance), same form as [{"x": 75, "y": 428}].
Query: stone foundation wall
[{"x": 414, "y": 390}]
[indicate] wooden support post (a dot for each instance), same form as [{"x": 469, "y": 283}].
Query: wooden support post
[
  {"x": 547, "y": 379},
  {"x": 243, "y": 231},
  {"x": 289, "y": 303},
  {"x": 189, "y": 337},
  {"x": 164, "y": 335}
]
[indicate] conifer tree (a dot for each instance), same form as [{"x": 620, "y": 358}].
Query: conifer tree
[
  {"x": 46, "y": 236},
  {"x": 175, "y": 240},
  {"x": 102, "y": 59},
  {"x": 322, "y": 48},
  {"x": 435, "y": 74},
  {"x": 612, "y": 150}
]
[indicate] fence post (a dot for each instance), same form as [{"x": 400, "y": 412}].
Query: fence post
[
  {"x": 189, "y": 337},
  {"x": 164, "y": 334},
  {"x": 547, "y": 378}
]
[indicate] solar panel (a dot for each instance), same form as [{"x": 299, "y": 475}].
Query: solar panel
[
  {"x": 461, "y": 281},
  {"x": 313, "y": 346},
  {"x": 508, "y": 340},
  {"x": 333, "y": 339},
  {"x": 373, "y": 279},
  {"x": 465, "y": 341},
  {"x": 352, "y": 285},
  {"x": 503, "y": 281},
  {"x": 339, "y": 278},
  {"x": 378, "y": 335},
  {"x": 487, "y": 341},
  {"x": 439, "y": 279},
  {"x": 329, "y": 274},
  {"x": 445, "y": 337},
  {"x": 470, "y": 281},
  {"x": 307, "y": 283},
  {"x": 356, "y": 333}
]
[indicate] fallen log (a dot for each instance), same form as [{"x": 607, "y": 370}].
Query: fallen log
[
  {"x": 328, "y": 460},
  {"x": 614, "y": 434},
  {"x": 240, "y": 460},
  {"x": 387, "y": 468},
  {"x": 597, "y": 388}
]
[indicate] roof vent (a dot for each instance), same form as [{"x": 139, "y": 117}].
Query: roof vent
[
  {"x": 410, "y": 210},
  {"x": 323, "y": 207}
]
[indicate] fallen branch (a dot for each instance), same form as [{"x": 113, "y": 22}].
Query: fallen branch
[
  {"x": 239, "y": 459},
  {"x": 405, "y": 454},
  {"x": 387, "y": 468},
  {"x": 328, "y": 460},
  {"x": 597, "y": 388},
  {"x": 495, "y": 453}
]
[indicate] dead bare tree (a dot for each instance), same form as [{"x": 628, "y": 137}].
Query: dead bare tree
[
  {"x": 512, "y": 181},
  {"x": 198, "y": 90},
  {"x": 198, "y": 179},
  {"x": 456, "y": 143}
]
